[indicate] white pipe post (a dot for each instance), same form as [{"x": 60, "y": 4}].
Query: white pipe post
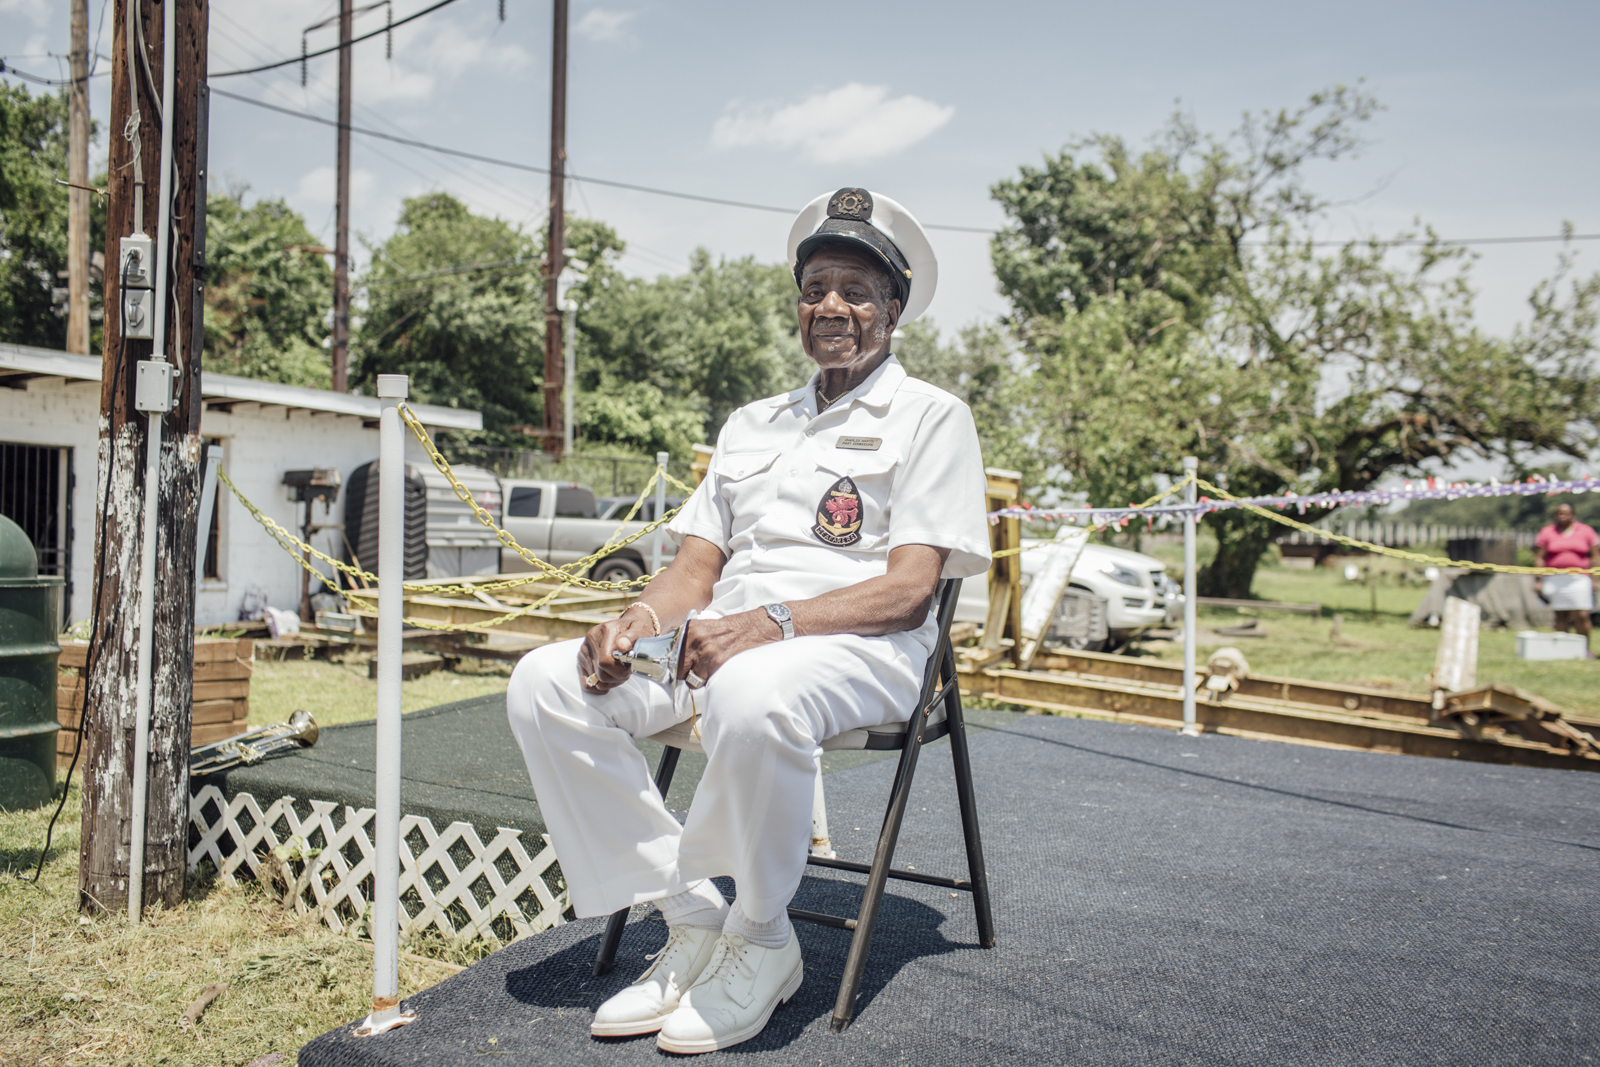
[
  {"x": 821, "y": 841},
  {"x": 1191, "y": 583},
  {"x": 392, "y": 388},
  {"x": 661, "y": 509},
  {"x": 144, "y": 681}
]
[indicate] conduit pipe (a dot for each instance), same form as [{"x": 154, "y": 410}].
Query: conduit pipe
[
  {"x": 1191, "y": 521},
  {"x": 661, "y": 509},
  {"x": 144, "y": 680},
  {"x": 385, "y": 930}
]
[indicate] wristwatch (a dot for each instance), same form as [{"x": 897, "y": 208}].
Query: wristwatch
[{"x": 779, "y": 614}]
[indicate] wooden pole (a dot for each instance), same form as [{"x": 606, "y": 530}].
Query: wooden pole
[
  {"x": 555, "y": 252},
  {"x": 1005, "y": 573},
  {"x": 109, "y": 706},
  {"x": 78, "y": 174},
  {"x": 341, "y": 246}
]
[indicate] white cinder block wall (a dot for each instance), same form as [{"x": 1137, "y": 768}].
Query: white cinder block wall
[{"x": 260, "y": 442}]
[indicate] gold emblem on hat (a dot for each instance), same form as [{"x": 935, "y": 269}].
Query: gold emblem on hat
[{"x": 851, "y": 204}]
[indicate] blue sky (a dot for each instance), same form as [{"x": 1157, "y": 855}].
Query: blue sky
[{"x": 1489, "y": 128}]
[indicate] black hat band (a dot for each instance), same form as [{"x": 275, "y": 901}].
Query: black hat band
[{"x": 849, "y": 222}]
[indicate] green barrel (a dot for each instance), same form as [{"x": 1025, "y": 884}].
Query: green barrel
[{"x": 28, "y": 653}]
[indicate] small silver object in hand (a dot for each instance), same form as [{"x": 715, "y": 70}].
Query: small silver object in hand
[{"x": 694, "y": 681}]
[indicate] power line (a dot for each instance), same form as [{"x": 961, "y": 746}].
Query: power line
[
  {"x": 461, "y": 172},
  {"x": 333, "y": 48},
  {"x": 533, "y": 169}
]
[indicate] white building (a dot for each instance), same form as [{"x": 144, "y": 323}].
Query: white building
[{"x": 49, "y": 433}]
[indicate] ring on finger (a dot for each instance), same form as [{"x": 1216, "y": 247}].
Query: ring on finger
[
  {"x": 694, "y": 681},
  {"x": 593, "y": 680}
]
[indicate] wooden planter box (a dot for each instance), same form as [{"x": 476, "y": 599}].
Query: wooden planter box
[{"x": 221, "y": 691}]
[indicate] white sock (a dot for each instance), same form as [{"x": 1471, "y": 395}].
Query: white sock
[
  {"x": 702, "y": 904},
  {"x": 774, "y": 933}
]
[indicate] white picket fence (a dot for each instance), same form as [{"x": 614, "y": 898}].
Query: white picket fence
[{"x": 323, "y": 865}]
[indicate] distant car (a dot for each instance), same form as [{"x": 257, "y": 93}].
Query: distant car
[
  {"x": 562, "y": 522},
  {"x": 615, "y": 507},
  {"x": 1138, "y": 593}
]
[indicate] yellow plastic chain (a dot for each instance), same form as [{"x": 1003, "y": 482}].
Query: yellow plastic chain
[
  {"x": 566, "y": 574},
  {"x": 1384, "y": 550},
  {"x": 303, "y": 552}
]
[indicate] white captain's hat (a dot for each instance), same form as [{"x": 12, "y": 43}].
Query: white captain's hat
[{"x": 870, "y": 221}]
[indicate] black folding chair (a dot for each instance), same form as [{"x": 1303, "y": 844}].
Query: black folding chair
[{"x": 938, "y": 715}]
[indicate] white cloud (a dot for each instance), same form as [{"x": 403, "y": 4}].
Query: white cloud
[
  {"x": 37, "y": 12},
  {"x": 603, "y": 25},
  {"x": 318, "y": 186},
  {"x": 853, "y": 122}
]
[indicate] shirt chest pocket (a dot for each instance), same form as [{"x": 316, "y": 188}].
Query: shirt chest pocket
[
  {"x": 853, "y": 492},
  {"x": 735, "y": 474}
]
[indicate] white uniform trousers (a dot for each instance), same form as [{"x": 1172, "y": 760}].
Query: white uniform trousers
[{"x": 763, "y": 716}]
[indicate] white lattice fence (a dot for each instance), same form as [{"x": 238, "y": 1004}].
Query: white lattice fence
[{"x": 450, "y": 880}]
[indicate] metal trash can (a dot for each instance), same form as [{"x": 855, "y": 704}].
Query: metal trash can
[{"x": 28, "y": 653}]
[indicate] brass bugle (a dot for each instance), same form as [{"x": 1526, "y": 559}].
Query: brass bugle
[
  {"x": 253, "y": 745},
  {"x": 656, "y": 658}
]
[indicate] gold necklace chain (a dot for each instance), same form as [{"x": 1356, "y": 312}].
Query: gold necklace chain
[{"x": 826, "y": 403}]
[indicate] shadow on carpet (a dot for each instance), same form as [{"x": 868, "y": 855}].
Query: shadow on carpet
[{"x": 1159, "y": 900}]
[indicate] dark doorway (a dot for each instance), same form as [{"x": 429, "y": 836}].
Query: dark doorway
[{"x": 36, "y": 484}]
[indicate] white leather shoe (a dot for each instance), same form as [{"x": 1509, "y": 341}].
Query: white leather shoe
[
  {"x": 644, "y": 1006},
  {"x": 734, "y": 997}
]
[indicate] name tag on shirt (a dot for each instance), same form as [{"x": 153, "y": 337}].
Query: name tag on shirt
[{"x": 861, "y": 444}]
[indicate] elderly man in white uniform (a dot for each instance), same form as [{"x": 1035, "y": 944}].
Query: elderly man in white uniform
[{"x": 811, "y": 552}]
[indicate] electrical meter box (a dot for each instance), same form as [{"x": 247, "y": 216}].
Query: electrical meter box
[
  {"x": 153, "y": 388},
  {"x": 136, "y": 276}
]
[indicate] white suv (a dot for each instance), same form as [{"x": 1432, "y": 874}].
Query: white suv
[{"x": 1138, "y": 593}]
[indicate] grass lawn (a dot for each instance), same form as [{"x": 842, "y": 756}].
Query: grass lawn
[
  {"x": 1379, "y": 650},
  {"x": 339, "y": 691},
  {"x": 100, "y": 991}
]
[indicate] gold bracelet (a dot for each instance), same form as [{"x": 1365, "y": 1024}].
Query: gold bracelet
[{"x": 655, "y": 620}]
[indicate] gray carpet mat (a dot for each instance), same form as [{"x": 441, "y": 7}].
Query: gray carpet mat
[
  {"x": 458, "y": 762},
  {"x": 1160, "y": 900}
]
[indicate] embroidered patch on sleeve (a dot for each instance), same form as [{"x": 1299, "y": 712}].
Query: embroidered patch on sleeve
[{"x": 839, "y": 515}]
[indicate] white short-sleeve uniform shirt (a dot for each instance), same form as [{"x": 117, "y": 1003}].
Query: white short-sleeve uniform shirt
[{"x": 802, "y": 504}]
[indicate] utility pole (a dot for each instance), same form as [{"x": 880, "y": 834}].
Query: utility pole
[
  {"x": 135, "y": 206},
  {"x": 555, "y": 250},
  {"x": 78, "y": 175},
  {"x": 341, "y": 245}
]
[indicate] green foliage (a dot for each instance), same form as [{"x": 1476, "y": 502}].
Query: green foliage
[
  {"x": 33, "y": 218},
  {"x": 663, "y": 363},
  {"x": 454, "y": 300},
  {"x": 981, "y": 368},
  {"x": 1171, "y": 303},
  {"x": 267, "y": 294}
]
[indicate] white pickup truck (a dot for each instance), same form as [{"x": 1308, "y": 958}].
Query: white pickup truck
[{"x": 560, "y": 523}]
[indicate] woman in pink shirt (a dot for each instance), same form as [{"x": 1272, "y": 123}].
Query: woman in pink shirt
[{"x": 1568, "y": 543}]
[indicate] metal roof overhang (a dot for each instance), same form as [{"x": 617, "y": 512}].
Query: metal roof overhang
[{"x": 18, "y": 363}]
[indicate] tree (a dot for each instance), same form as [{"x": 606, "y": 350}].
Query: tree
[
  {"x": 1173, "y": 302},
  {"x": 268, "y": 293},
  {"x": 33, "y": 219},
  {"x": 663, "y": 363},
  {"x": 454, "y": 300},
  {"x": 982, "y": 368}
]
